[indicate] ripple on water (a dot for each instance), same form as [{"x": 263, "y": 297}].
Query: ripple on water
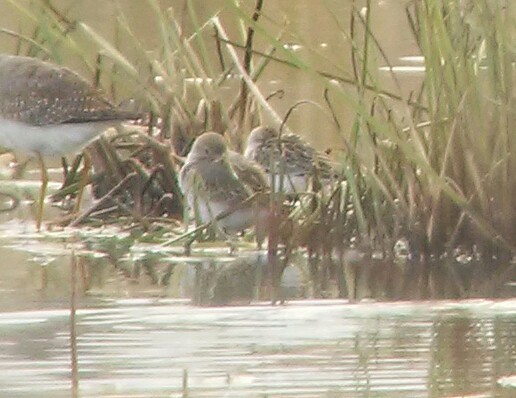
[{"x": 143, "y": 348}]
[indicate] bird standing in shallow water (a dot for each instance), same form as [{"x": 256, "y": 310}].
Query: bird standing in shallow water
[
  {"x": 47, "y": 110},
  {"x": 212, "y": 187},
  {"x": 289, "y": 161}
]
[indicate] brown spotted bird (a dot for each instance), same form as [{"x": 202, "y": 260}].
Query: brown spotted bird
[
  {"x": 213, "y": 188},
  {"x": 289, "y": 161},
  {"x": 47, "y": 110}
]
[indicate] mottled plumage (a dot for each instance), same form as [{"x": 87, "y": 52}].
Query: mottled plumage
[
  {"x": 46, "y": 109},
  {"x": 40, "y": 93},
  {"x": 212, "y": 187},
  {"x": 249, "y": 172},
  {"x": 288, "y": 158},
  {"x": 49, "y": 109}
]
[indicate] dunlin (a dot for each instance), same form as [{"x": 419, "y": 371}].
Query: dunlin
[
  {"x": 213, "y": 188},
  {"x": 46, "y": 109},
  {"x": 249, "y": 172},
  {"x": 289, "y": 161}
]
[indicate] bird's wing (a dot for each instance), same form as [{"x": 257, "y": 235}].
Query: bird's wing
[{"x": 40, "y": 93}]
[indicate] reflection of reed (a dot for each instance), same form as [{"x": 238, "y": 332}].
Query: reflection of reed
[
  {"x": 185, "y": 384},
  {"x": 357, "y": 272},
  {"x": 73, "y": 332},
  {"x": 462, "y": 356}
]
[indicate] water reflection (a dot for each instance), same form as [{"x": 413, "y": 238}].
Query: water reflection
[
  {"x": 151, "y": 347},
  {"x": 115, "y": 263},
  {"x": 154, "y": 348},
  {"x": 460, "y": 344}
]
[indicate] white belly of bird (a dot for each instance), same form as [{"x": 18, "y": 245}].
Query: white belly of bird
[
  {"x": 58, "y": 139},
  {"x": 289, "y": 184},
  {"x": 236, "y": 221}
]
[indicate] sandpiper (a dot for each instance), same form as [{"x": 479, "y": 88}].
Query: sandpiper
[
  {"x": 289, "y": 161},
  {"x": 212, "y": 187},
  {"x": 46, "y": 110},
  {"x": 249, "y": 172}
]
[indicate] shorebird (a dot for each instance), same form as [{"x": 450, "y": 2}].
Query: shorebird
[
  {"x": 249, "y": 172},
  {"x": 212, "y": 187},
  {"x": 47, "y": 110},
  {"x": 289, "y": 161}
]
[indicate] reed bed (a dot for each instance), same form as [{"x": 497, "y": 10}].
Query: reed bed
[{"x": 424, "y": 206}]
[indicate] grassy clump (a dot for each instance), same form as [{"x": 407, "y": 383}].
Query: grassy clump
[
  {"x": 439, "y": 165},
  {"x": 468, "y": 86}
]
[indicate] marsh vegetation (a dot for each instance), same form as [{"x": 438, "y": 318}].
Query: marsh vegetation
[{"x": 424, "y": 203}]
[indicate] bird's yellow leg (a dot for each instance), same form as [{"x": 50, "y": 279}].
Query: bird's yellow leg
[
  {"x": 42, "y": 191},
  {"x": 83, "y": 182}
]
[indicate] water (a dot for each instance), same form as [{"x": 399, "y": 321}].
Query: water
[
  {"x": 139, "y": 337},
  {"x": 159, "y": 348}
]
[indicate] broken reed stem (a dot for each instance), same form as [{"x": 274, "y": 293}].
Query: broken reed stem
[
  {"x": 127, "y": 181},
  {"x": 245, "y": 76},
  {"x": 73, "y": 331},
  {"x": 248, "y": 68}
]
